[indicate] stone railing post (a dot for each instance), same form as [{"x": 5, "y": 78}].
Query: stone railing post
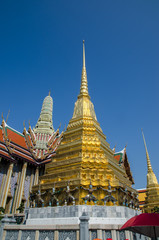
[
  {"x": 5, "y": 221},
  {"x": 84, "y": 226}
]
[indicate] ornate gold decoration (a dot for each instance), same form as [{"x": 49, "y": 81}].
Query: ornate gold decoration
[
  {"x": 84, "y": 154},
  {"x": 151, "y": 178},
  {"x": 152, "y": 194}
]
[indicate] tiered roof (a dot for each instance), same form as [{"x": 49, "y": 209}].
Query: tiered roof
[
  {"x": 36, "y": 146},
  {"x": 14, "y": 146}
]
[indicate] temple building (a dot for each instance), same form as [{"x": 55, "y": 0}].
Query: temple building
[
  {"x": 149, "y": 197},
  {"x": 23, "y": 158},
  {"x": 73, "y": 185},
  {"x": 85, "y": 168},
  {"x": 82, "y": 168}
]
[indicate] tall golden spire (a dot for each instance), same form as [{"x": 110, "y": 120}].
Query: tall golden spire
[
  {"x": 83, "y": 106},
  {"x": 151, "y": 178},
  {"x": 84, "y": 83},
  {"x": 149, "y": 167},
  {"x": 84, "y": 155}
]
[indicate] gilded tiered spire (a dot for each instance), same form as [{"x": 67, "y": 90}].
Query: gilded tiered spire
[
  {"x": 151, "y": 178},
  {"x": 83, "y": 106},
  {"x": 84, "y": 155},
  {"x": 84, "y": 83}
]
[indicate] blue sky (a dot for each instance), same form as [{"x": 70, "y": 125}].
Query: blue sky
[{"x": 41, "y": 50}]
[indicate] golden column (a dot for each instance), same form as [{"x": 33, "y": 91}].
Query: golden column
[
  {"x": 21, "y": 185},
  {"x": 5, "y": 189}
]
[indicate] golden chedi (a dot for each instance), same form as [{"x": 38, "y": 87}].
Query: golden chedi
[
  {"x": 84, "y": 163},
  {"x": 152, "y": 193}
]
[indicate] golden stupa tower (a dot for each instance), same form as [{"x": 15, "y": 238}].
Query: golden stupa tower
[
  {"x": 84, "y": 155},
  {"x": 152, "y": 193}
]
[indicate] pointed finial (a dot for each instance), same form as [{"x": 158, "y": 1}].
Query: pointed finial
[
  {"x": 29, "y": 123},
  {"x": 7, "y": 116},
  {"x": 151, "y": 177},
  {"x": 84, "y": 61},
  {"x": 125, "y": 148},
  {"x": 114, "y": 148},
  {"x": 2, "y": 116},
  {"x": 24, "y": 123},
  {"x": 49, "y": 93},
  {"x": 147, "y": 155},
  {"x": 84, "y": 84},
  {"x": 59, "y": 126}
]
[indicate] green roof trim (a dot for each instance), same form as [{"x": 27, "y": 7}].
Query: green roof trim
[
  {"x": 13, "y": 130},
  {"x": 121, "y": 156}
]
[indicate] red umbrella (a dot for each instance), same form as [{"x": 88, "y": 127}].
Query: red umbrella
[{"x": 145, "y": 223}]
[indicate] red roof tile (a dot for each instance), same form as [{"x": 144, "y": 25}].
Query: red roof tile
[
  {"x": 15, "y": 146},
  {"x": 19, "y": 148},
  {"x": 5, "y": 154},
  {"x": 1, "y": 136},
  {"x": 3, "y": 146},
  {"x": 16, "y": 137},
  {"x": 117, "y": 157}
]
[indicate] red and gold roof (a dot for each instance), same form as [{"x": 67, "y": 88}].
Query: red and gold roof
[{"x": 16, "y": 146}]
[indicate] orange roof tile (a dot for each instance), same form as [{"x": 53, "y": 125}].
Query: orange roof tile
[
  {"x": 1, "y": 136},
  {"x": 5, "y": 154},
  {"x": 117, "y": 157},
  {"x": 17, "y": 147},
  {"x": 3, "y": 146},
  {"x": 16, "y": 137},
  {"x": 24, "y": 156}
]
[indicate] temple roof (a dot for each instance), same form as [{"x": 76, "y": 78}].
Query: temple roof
[
  {"x": 13, "y": 146},
  {"x": 122, "y": 159},
  {"x": 36, "y": 146}
]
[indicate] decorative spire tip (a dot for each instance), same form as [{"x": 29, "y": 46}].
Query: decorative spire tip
[
  {"x": 7, "y": 115},
  {"x": 147, "y": 155}
]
